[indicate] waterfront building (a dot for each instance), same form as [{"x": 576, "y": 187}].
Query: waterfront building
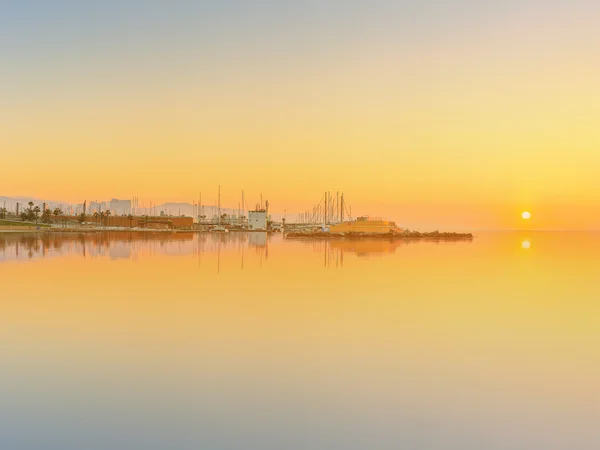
[
  {"x": 257, "y": 220},
  {"x": 120, "y": 207},
  {"x": 372, "y": 225}
]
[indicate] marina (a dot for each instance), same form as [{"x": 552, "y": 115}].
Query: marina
[{"x": 330, "y": 218}]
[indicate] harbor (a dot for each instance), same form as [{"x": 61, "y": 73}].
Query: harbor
[{"x": 329, "y": 218}]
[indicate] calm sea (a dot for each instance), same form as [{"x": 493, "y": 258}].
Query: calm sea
[{"x": 247, "y": 341}]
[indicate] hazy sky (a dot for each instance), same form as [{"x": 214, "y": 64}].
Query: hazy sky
[{"x": 433, "y": 113}]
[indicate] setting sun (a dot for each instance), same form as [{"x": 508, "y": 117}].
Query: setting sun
[{"x": 526, "y": 215}]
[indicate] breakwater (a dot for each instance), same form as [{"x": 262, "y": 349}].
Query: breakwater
[{"x": 402, "y": 235}]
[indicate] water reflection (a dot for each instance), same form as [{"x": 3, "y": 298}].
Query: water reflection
[
  {"x": 133, "y": 245},
  {"x": 365, "y": 247},
  {"x": 250, "y": 341},
  {"x": 116, "y": 245}
]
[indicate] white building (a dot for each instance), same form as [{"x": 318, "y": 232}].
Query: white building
[
  {"x": 120, "y": 207},
  {"x": 257, "y": 220}
]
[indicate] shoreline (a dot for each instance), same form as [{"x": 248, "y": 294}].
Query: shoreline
[
  {"x": 15, "y": 229},
  {"x": 433, "y": 235}
]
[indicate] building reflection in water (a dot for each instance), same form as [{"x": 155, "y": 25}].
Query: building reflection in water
[{"x": 139, "y": 245}]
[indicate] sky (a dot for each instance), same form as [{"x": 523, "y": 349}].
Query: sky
[{"x": 436, "y": 114}]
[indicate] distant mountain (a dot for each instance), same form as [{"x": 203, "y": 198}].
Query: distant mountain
[
  {"x": 169, "y": 208},
  {"x": 10, "y": 203}
]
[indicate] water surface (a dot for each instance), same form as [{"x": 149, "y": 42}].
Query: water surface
[{"x": 247, "y": 341}]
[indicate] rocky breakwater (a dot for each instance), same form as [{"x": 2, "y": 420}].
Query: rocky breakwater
[{"x": 406, "y": 234}]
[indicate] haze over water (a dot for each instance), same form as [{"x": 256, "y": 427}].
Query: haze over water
[{"x": 248, "y": 341}]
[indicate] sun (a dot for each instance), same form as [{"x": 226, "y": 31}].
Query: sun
[{"x": 526, "y": 215}]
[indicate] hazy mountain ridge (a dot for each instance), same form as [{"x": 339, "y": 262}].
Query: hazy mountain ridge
[
  {"x": 170, "y": 208},
  {"x": 10, "y": 203}
]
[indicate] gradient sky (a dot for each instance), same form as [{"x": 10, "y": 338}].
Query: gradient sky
[{"x": 434, "y": 113}]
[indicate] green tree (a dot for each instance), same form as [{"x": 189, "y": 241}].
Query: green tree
[
  {"x": 28, "y": 214},
  {"x": 46, "y": 216},
  {"x": 3, "y": 212},
  {"x": 57, "y": 213},
  {"x": 36, "y": 212}
]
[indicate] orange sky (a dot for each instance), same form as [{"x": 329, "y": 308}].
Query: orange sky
[{"x": 450, "y": 121}]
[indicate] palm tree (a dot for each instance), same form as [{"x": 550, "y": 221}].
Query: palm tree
[
  {"x": 96, "y": 215},
  {"x": 36, "y": 211},
  {"x": 130, "y": 218},
  {"x": 28, "y": 214},
  {"x": 3, "y": 212},
  {"x": 58, "y": 212},
  {"x": 106, "y": 214}
]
